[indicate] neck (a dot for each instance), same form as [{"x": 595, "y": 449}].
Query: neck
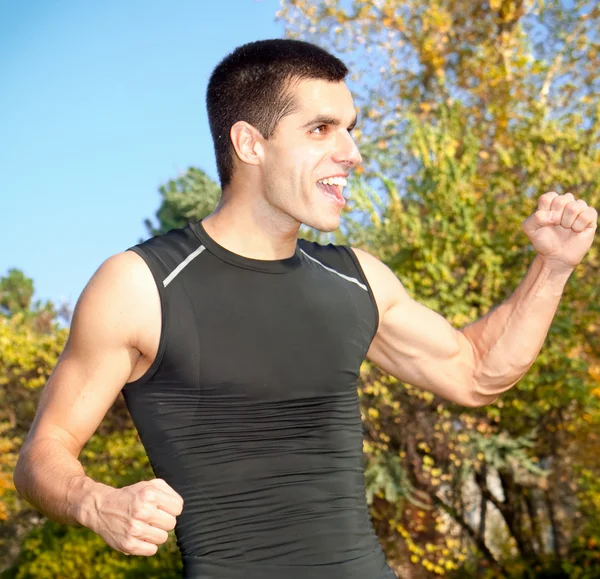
[{"x": 246, "y": 224}]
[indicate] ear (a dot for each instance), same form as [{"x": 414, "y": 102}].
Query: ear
[{"x": 247, "y": 142}]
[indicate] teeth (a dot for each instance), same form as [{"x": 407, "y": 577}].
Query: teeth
[{"x": 341, "y": 181}]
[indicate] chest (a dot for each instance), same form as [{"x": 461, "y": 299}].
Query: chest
[{"x": 275, "y": 336}]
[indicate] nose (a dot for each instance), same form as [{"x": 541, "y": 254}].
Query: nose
[{"x": 346, "y": 150}]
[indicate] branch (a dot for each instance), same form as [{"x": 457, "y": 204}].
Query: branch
[
  {"x": 479, "y": 541},
  {"x": 556, "y": 64},
  {"x": 487, "y": 494}
]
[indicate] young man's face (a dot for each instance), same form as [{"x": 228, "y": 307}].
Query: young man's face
[{"x": 311, "y": 145}]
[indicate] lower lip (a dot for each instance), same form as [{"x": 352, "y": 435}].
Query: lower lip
[{"x": 337, "y": 199}]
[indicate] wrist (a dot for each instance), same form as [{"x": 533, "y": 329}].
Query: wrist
[
  {"x": 83, "y": 495},
  {"x": 552, "y": 276},
  {"x": 555, "y": 268}
]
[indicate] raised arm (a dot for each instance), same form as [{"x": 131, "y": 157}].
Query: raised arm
[
  {"x": 112, "y": 340},
  {"x": 474, "y": 365}
]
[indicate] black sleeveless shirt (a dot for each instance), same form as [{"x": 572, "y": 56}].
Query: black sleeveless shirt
[{"x": 250, "y": 409}]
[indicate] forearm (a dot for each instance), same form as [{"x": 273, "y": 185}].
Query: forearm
[
  {"x": 508, "y": 339},
  {"x": 50, "y": 478}
]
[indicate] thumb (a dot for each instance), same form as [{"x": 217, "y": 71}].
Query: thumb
[{"x": 540, "y": 219}]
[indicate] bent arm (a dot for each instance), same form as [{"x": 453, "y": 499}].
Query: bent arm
[
  {"x": 471, "y": 366},
  {"x": 99, "y": 358},
  {"x": 507, "y": 340}
]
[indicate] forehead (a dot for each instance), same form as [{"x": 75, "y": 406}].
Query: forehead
[{"x": 323, "y": 98}]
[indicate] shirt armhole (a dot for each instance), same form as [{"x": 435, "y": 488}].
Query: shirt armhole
[
  {"x": 364, "y": 279},
  {"x": 158, "y": 276}
]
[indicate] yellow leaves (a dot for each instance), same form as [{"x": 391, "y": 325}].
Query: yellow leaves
[
  {"x": 373, "y": 413},
  {"x": 28, "y": 357},
  {"x": 341, "y": 17},
  {"x": 594, "y": 372}
]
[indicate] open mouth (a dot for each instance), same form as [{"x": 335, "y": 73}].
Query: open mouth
[{"x": 333, "y": 187}]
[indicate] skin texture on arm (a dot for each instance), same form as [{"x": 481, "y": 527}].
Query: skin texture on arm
[
  {"x": 474, "y": 365},
  {"x": 415, "y": 344},
  {"x": 97, "y": 361},
  {"x": 471, "y": 366},
  {"x": 113, "y": 339}
]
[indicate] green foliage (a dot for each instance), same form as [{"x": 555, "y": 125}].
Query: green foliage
[
  {"x": 30, "y": 344},
  {"x": 27, "y": 357},
  {"x": 189, "y": 197},
  {"x": 469, "y": 112},
  {"x": 55, "y": 550},
  {"x": 16, "y": 292}
]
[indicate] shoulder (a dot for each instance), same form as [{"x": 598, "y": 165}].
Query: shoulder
[
  {"x": 386, "y": 287},
  {"x": 124, "y": 274},
  {"x": 169, "y": 247},
  {"x": 339, "y": 257},
  {"x": 119, "y": 296},
  {"x": 165, "y": 253}
]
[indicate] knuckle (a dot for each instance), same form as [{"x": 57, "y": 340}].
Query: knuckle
[
  {"x": 140, "y": 511},
  {"x": 148, "y": 494},
  {"x": 571, "y": 209},
  {"x": 134, "y": 527}
]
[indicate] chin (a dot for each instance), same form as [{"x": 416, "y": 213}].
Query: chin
[{"x": 324, "y": 225}]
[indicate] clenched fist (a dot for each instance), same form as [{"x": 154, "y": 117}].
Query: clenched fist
[
  {"x": 562, "y": 229},
  {"x": 137, "y": 518}
]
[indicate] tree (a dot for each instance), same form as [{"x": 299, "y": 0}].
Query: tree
[
  {"x": 189, "y": 197},
  {"x": 31, "y": 340},
  {"x": 16, "y": 292},
  {"x": 469, "y": 112},
  {"x": 30, "y": 343}
]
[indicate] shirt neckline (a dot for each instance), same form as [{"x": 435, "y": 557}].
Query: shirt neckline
[{"x": 285, "y": 265}]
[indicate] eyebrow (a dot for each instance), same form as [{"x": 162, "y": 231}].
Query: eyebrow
[{"x": 324, "y": 120}]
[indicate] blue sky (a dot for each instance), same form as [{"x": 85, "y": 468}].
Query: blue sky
[{"x": 100, "y": 104}]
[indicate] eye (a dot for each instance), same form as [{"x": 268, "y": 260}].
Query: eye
[{"x": 320, "y": 130}]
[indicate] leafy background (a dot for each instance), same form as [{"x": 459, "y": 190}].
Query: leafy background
[{"x": 468, "y": 112}]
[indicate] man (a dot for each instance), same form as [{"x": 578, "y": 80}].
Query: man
[{"x": 238, "y": 347}]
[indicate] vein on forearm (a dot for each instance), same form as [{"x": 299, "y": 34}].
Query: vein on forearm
[
  {"x": 507, "y": 340},
  {"x": 46, "y": 470}
]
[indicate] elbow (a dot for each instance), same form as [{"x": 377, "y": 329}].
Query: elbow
[
  {"x": 477, "y": 400},
  {"x": 26, "y": 469},
  {"x": 468, "y": 394},
  {"x": 487, "y": 389},
  {"x": 20, "y": 476}
]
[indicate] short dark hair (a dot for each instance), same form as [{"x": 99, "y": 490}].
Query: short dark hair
[{"x": 252, "y": 84}]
